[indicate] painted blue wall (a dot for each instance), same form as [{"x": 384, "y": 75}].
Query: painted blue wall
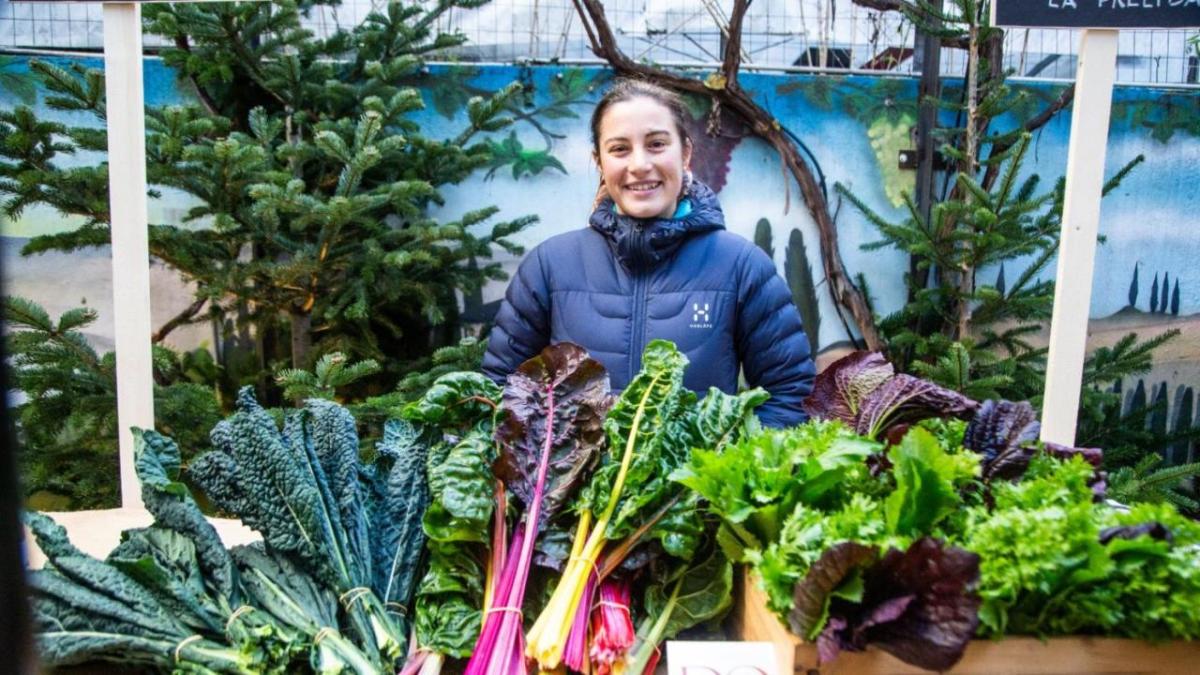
[{"x": 853, "y": 126}]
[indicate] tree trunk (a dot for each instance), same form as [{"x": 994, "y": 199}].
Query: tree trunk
[{"x": 301, "y": 338}]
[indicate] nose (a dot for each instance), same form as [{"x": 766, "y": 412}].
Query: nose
[{"x": 640, "y": 161}]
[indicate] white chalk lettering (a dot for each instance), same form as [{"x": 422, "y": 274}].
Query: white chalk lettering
[
  {"x": 1100, "y": 3},
  {"x": 1068, "y": 3}
]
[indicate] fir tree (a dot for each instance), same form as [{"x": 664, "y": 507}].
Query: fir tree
[
  {"x": 66, "y": 422},
  {"x": 1145, "y": 482},
  {"x": 310, "y": 232},
  {"x": 301, "y": 151}
]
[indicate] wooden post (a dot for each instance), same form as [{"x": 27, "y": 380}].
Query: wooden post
[
  {"x": 130, "y": 240},
  {"x": 1090, "y": 114}
]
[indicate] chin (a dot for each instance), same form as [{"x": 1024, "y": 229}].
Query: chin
[{"x": 643, "y": 210}]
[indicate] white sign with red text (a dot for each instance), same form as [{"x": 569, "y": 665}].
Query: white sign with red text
[{"x": 721, "y": 658}]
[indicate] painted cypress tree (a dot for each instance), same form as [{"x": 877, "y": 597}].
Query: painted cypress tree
[
  {"x": 1181, "y": 421},
  {"x": 1137, "y": 398},
  {"x": 1175, "y": 298},
  {"x": 1158, "y": 416},
  {"x": 1154, "y": 294},
  {"x": 1163, "y": 305},
  {"x": 1133, "y": 287},
  {"x": 763, "y": 237},
  {"x": 799, "y": 275},
  {"x": 1001, "y": 285}
]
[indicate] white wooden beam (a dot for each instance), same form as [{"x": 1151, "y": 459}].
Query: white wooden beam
[
  {"x": 130, "y": 242},
  {"x": 1090, "y": 114}
]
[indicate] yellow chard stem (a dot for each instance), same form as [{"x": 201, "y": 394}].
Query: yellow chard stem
[{"x": 548, "y": 636}]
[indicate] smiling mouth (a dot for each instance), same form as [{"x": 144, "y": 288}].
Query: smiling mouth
[{"x": 645, "y": 187}]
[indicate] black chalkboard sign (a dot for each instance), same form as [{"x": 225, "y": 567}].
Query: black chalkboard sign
[{"x": 1096, "y": 13}]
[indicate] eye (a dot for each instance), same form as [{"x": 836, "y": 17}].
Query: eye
[
  {"x": 657, "y": 144},
  {"x": 616, "y": 149}
]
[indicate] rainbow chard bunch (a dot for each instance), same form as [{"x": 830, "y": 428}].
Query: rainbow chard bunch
[
  {"x": 552, "y": 428},
  {"x": 612, "y": 625},
  {"x": 631, "y": 504},
  {"x": 457, "y": 414}
]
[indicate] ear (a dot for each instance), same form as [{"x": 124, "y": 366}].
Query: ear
[{"x": 687, "y": 155}]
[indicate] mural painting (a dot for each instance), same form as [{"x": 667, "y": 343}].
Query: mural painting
[{"x": 851, "y": 129}]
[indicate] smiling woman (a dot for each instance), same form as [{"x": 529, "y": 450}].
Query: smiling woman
[
  {"x": 657, "y": 262},
  {"x": 644, "y": 155}
]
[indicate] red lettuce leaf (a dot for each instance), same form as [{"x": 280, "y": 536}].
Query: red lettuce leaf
[
  {"x": 1002, "y": 432},
  {"x": 1093, "y": 456},
  {"x": 1000, "y": 425},
  {"x": 904, "y": 399},
  {"x": 562, "y": 391},
  {"x": 839, "y": 390},
  {"x": 937, "y": 623},
  {"x": 1155, "y": 530},
  {"x": 812, "y": 594},
  {"x": 920, "y": 605}
]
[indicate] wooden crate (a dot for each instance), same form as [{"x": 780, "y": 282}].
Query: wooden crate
[{"x": 752, "y": 621}]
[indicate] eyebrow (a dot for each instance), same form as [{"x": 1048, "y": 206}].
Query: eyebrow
[{"x": 654, "y": 132}]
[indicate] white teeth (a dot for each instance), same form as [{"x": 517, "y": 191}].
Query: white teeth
[{"x": 643, "y": 186}]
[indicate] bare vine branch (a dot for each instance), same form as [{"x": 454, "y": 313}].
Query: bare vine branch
[{"x": 725, "y": 91}]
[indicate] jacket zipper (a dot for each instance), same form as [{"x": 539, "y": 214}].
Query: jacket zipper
[
  {"x": 639, "y": 325},
  {"x": 640, "y": 275}
]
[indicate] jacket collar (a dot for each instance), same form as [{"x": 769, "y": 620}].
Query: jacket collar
[{"x": 642, "y": 243}]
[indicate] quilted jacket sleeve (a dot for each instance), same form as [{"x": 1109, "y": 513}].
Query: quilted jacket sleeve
[
  {"x": 772, "y": 346},
  {"x": 522, "y": 327}
]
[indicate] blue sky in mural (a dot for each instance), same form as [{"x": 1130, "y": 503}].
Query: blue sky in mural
[{"x": 854, "y": 128}]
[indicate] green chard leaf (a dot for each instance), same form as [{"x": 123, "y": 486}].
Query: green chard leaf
[{"x": 927, "y": 479}]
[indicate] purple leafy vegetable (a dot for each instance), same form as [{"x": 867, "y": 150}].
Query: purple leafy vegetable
[
  {"x": 1003, "y": 431},
  {"x": 564, "y": 394},
  {"x": 839, "y": 390},
  {"x": 936, "y": 626},
  {"x": 920, "y": 605},
  {"x": 863, "y": 391},
  {"x": 907, "y": 399},
  {"x": 1154, "y": 530},
  {"x": 1006, "y": 434},
  {"x": 813, "y": 593}
]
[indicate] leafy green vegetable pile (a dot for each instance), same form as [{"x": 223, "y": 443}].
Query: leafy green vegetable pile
[
  {"x": 555, "y": 521},
  {"x": 889, "y": 521},
  {"x": 424, "y": 553}
]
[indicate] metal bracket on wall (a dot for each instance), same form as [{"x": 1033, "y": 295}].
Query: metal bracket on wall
[{"x": 908, "y": 160}]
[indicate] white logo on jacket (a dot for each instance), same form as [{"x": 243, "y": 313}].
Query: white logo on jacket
[{"x": 700, "y": 316}]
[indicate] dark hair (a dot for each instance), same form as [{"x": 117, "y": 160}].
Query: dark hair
[{"x": 627, "y": 89}]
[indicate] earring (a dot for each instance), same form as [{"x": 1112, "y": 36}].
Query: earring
[{"x": 687, "y": 182}]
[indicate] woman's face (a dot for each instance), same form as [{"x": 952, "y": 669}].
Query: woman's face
[{"x": 642, "y": 158}]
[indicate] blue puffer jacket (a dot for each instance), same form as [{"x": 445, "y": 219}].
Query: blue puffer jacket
[{"x": 622, "y": 282}]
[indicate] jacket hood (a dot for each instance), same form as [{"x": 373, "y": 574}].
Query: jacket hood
[{"x": 643, "y": 243}]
